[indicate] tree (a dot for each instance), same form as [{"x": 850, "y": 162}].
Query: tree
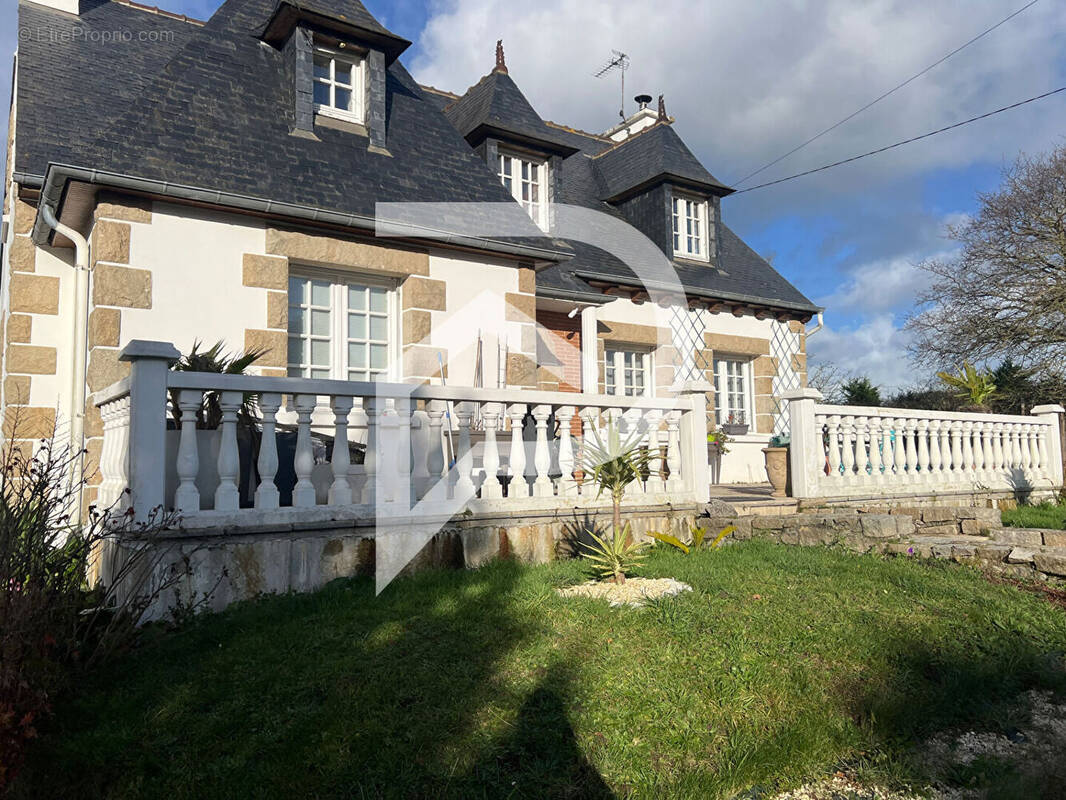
[
  {"x": 1003, "y": 295},
  {"x": 859, "y": 391},
  {"x": 826, "y": 377}
]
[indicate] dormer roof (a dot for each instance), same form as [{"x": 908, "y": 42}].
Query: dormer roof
[
  {"x": 346, "y": 17},
  {"x": 653, "y": 156},
  {"x": 495, "y": 106}
]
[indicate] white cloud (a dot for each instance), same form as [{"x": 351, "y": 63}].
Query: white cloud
[{"x": 875, "y": 348}]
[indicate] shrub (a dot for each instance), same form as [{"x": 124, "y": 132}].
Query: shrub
[
  {"x": 52, "y": 622},
  {"x": 698, "y": 535},
  {"x": 612, "y": 556}
]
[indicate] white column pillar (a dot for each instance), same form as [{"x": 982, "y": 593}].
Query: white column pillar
[
  {"x": 806, "y": 456},
  {"x": 1051, "y": 415},
  {"x": 695, "y": 469},
  {"x": 150, "y": 362}
]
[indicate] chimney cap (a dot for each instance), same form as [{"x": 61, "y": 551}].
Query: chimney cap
[
  {"x": 501, "y": 64},
  {"x": 643, "y": 100}
]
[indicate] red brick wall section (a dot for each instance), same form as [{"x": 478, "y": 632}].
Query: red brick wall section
[{"x": 559, "y": 356}]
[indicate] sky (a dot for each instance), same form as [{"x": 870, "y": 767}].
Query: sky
[{"x": 748, "y": 81}]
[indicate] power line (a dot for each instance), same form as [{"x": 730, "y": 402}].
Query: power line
[
  {"x": 905, "y": 141},
  {"x": 886, "y": 94}
]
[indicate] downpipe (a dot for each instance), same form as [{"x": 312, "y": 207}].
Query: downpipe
[{"x": 78, "y": 366}]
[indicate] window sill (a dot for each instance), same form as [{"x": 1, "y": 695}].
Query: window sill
[
  {"x": 340, "y": 124},
  {"x": 692, "y": 259}
]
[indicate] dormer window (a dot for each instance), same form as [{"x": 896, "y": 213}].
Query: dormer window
[
  {"x": 690, "y": 228},
  {"x": 525, "y": 179},
  {"x": 339, "y": 84}
]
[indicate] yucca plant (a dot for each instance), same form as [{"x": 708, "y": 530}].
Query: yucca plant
[
  {"x": 698, "y": 535},
  {"x": 612, "y": 556},
  {"x": 612, "y": 462},
  {"x": 970, "y": 384}
]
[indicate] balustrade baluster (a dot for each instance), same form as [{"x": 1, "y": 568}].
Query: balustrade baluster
[
  {"x": 464, "y": 466},
  {"x": 542, "y": 486},
  {"x": 656, "y": 484},
  {"x": 567, "y": 485},
  {"x": 923, "y": 451},
  {"x": 187, "y": 496},
  {"x": 847, "y": 450},
  {"x": 944, "y": 436},
  {"x": 435, "y": 410},
  {"x": 1023, "y": 448},
  {"x": 266, "y": 494},
  {"x": 938, "y": 460},
  {"x": 420, "y": 434},
  {"x": 491, "y": 488},
  {"x": 834, "y": 447},
  {"x": 861, "y": 425},
  {"x": 401, "y": 464},
  {"x": 303, "y": 493},
  {"x": 912, "y": 450},
  {"x": 820, "y": 423},
  {"x": 1015, "y": 447},
  {"x": 966, "y": 473},
  {"x": 899, "y": 449},
  {"x": 988, "y": 457},
  {"x": 340, "y": 491},
  {"x": 875, "y": 450},
  {"x": 227, "y": 496},
  {"x": 516, "y": 463},
  {"x": 1043, "y": 471},
  {"x": 999, "y": 464},
  {"x": 673, "y": 451},
  {"x": 631, "y": 430},
  {"x": 372, "y": 409}
]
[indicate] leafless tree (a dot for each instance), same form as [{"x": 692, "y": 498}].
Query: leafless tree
[
  {"x": 1003, "y": 295},
  {"x": 827, "y": 378}
]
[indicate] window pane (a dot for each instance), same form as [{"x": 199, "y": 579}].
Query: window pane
[
  {"x": 296, "y": 372},
  {"x": 320, "y": 294},
  {"x": 322, "y": 66},
  {"x": 354, "y": 375},
  {"x": 379, "y": 358},
  {"x": 296, "y": 320},
  {"x": 356, "y": 356},
  {"x": 343, "y": 73},
  {"x": 356, "y": 298},
  {"x": 378, "y": 300},
  {"x": 320, "y": 373},
  {"x": 320, "y": 353},
  {"x": 378, "y": 328},
  {"x": 296, "y": 351},
  {"x": 356, "y": 326},
  {"x": 297, "y": 291},
  {"x": 321, "y": 96},
  {"x": 342, "y": 99},
  {"x": 320, "y": 323}
]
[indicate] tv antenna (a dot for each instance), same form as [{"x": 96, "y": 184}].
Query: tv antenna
[{"x": 618, "y": 61}]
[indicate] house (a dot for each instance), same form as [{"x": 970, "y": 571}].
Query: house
[{"x": 227, "y": 174}]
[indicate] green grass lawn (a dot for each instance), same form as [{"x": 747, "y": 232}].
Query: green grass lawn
[
  {"x": 1045, "y": 515},
  {"x": 784, "y": 664}
]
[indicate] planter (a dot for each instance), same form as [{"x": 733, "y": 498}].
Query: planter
[
  {"x": 734, "y": 428},
  {"x": 777, "y": 469}
]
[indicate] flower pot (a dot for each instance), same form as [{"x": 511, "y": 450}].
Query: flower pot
[
  {"x": 777, "y": 469},
  {"x": 734, "y": 428}
]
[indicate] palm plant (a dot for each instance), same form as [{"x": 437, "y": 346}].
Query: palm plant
[
  {"x": 698, "y": 535},
  {"x": 613, "y": 462},
  {"x": 613, "y": 556},
  {"x": 215, "y": 359},
  {"x": 970, "y": 384}
]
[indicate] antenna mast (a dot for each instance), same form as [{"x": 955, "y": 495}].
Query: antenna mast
[{"x": 618, "y": 61}]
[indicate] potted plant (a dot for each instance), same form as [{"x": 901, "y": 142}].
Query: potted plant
[
  {"x": 777, "y": 465},
  {"x": 735, "y": 425}
]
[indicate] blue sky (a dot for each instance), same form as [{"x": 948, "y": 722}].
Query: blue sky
[{"x": 746, "y": 82}]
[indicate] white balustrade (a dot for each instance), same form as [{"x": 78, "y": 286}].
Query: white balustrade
[{"x": 858, "y": 451}]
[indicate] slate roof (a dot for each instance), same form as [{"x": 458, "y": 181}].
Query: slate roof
[
  {"x": 496, "y": 104},
  {"x": 209, "y": 105},
  {"x": 649, "y": 155}
]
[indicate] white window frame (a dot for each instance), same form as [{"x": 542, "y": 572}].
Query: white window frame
[
  {"x": 537, "y": 210},
  {"x": 724, "y": 401},
  {"x": 693, "y": 212},
  {"x": 357, "y": 67},
  {"x": 615, "y": 365},
  {"x": 339, "y": 284}
]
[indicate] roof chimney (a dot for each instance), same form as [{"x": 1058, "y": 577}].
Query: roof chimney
[
  {"x": 643, "y": 100},
  {"x": 501, "y": 64}
]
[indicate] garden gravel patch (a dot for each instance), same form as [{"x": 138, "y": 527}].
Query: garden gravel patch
[{"x": 634, "y": 592}]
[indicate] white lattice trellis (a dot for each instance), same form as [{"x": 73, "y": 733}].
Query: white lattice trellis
[
  {"x": 784, "y": 346},
  {"x": 687, "y": 329}
]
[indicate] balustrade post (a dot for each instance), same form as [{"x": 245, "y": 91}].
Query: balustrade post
[
  {"x": 491, "y": 488},
  {"x": 516, "y": 459},
  {"x": 149, "y": 363},
  {"x": 303, "y": 493},
  {"x": 567, "y": 484},
  {"x": 266, "y": 494},
  {"x": 1051, "y": 439},
  {"x": 187, "y": 496},
  {"x": 695, "y": 467},
  {"x": 806, "y": 453},
  {"x": 340, "y": 492},
  {"x": 542, "y": 486}
]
